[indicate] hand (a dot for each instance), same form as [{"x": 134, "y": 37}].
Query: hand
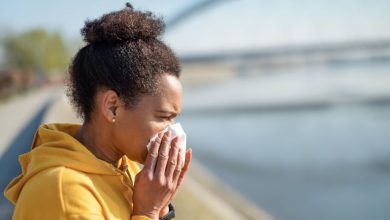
[{"x": 157, "y": 183}]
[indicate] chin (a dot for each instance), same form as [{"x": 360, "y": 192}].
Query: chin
[{"x": 143, "y": 157}]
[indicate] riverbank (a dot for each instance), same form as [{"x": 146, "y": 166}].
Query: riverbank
[{"x": 202, "y": 195}]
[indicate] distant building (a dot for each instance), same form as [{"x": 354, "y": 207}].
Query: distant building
[{"x": 13, "y": 81}]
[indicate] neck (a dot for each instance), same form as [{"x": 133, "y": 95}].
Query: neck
[{"x": 98, "y": 142}]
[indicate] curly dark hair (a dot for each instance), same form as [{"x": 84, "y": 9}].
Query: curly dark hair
[{"x": 123, "y": 53}]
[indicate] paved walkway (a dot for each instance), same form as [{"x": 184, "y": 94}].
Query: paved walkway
[
  {"x": 20, "y": 118},
  {"x": 15, "y": 113}
]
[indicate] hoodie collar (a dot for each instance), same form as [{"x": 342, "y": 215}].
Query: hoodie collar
[{"x": 55, "y": 145}]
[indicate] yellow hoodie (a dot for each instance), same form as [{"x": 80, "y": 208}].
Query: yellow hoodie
[{"x": 61, "y": 179}]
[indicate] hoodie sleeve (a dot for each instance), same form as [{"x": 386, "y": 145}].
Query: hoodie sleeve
[
  {"x": 77, "y": 197},
  {"x": 80, "y": 200}
]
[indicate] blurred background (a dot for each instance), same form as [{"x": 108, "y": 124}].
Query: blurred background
[{"x": 287, "y": 103}]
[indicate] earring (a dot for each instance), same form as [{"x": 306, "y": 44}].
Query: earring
[{"x": 113, "y": 120}]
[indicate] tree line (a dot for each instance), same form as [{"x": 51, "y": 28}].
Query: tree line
[{"x": 28, "y": 58}]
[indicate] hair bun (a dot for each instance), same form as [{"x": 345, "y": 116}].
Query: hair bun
[
  {"x": 123, "y": 25},
  {"x": 129, "y": 6}
]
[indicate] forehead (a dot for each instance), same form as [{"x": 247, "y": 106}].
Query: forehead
[{"x": 169, "y": 96}]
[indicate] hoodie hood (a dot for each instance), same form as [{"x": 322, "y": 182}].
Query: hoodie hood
[{"x": 55, "y": 145}]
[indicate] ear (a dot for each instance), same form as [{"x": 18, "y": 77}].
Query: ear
[{"x": 109, "y": 104}]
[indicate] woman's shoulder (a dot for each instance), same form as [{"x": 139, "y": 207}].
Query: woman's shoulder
[
  {"x": 58, "y": 181},
  {"x": 68, "y": 184},
  {"x": 63, "y": 191},
  {"x": 60, "y": 174}
]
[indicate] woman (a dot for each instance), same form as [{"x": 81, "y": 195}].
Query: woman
[{"x": 124, "y": 84}]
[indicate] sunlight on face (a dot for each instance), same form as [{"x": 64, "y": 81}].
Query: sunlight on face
[{"x": 135, "y": 127}]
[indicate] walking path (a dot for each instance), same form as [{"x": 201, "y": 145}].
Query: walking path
[
  {"x": 15, "y": 113},
  {"x": 20, "y": 118}
]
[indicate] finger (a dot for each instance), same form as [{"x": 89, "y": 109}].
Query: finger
[
  {"x": 185, "y": 167},
  {"x": 151, "y": 158},
  {"x": 163, "y": 154},
  {"x": 176, "y": 173},
  {"x": 178, "y": 167},
  {"x": 172, "y": 161},
  {"x": 182, "y": 171}
]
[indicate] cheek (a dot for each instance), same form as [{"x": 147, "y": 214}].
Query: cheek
[
  {"x": 150, "y": 130},
  {"x": 132, "y": 136},
  {"x": 153, "y": 128},
  {"x": 125, "y": 136}
]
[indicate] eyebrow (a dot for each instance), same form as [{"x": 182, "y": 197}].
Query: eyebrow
[{"x": 169, "y": 112}]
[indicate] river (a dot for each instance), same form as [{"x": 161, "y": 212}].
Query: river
[{"x": 328, "y": 162}]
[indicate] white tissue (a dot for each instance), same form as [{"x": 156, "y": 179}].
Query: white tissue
[{"x": 177, "y": 130}]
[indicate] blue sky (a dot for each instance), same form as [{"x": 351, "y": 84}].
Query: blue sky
[{"x": 235, "y": 24}]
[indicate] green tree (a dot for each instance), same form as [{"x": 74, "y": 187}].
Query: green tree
[{"x": 36, "y": 50}]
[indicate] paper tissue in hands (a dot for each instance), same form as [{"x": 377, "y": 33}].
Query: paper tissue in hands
[{"x": 176, "y": 130}]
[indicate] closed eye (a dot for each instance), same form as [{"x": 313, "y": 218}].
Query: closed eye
[
  {"x": 167, "y": 115},
  {"x": 170, "y": 118},
  {"x": 166, "y": 118}
]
